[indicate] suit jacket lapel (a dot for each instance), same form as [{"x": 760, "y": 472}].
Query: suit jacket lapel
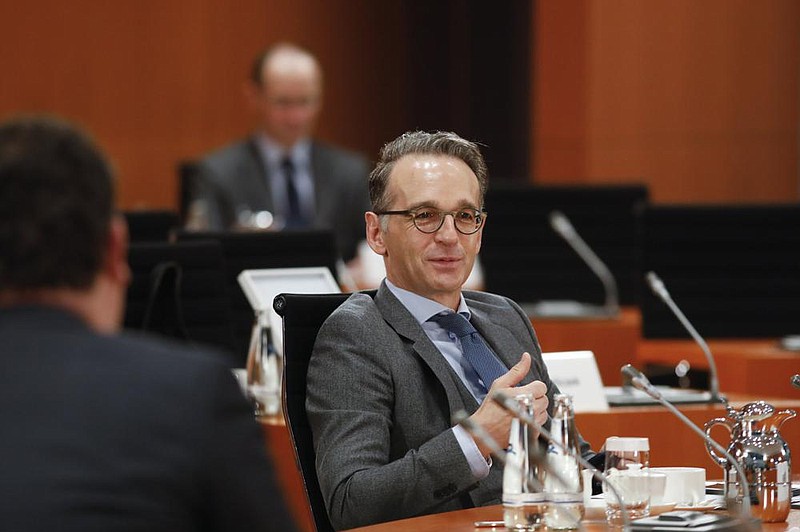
[
  {"x": 407, "y": 327},
  {"x": 324, "y": 188},
  {"x": 257, "y": 171}
]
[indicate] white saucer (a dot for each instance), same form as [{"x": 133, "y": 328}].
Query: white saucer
[{"x": 661, "y": 507}]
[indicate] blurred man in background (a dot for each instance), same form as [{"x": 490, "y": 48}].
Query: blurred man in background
[{"x": 300, "y": 182}]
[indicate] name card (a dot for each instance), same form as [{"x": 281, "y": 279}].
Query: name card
[{"x": 575, "y": 373}]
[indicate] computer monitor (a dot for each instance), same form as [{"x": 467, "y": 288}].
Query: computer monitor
[
  {"x": 257, "y": 250},
  {"x": 523, "y": 257},
  {"x": 179, "y": 290},
  {"x": 734, "y": 270}
]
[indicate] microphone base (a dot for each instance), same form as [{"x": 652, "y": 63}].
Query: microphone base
[
  {"x": 567, "y": 309},
  {"x": 628, "y": 396},
  {"x": 697, "y": 521}
]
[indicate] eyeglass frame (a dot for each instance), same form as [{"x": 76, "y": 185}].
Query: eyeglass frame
[{"x": 412, "y": 214}]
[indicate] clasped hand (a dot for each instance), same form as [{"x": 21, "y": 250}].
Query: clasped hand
[{"x": 494, "y": 418}]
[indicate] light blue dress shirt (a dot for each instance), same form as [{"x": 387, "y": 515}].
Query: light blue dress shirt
[
  {"x": 422, "y": 309},
  {"x": 300, "y": 154}
]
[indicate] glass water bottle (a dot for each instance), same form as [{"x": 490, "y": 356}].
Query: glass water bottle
[
  {"x": 563, "y": 484},
  {"x": 523, "y": 499}
]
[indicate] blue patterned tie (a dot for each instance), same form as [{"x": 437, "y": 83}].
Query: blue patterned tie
[{"x": 483, "y": 361}]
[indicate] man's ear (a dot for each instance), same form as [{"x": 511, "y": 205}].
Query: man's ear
[
  {"x": 375, "y": 233},
  {"x": 116, "y": 258}
]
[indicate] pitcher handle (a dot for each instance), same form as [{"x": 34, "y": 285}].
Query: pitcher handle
[{"x": 720, "y": 460}]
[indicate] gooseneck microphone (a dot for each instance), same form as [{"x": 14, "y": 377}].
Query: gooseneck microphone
[
  {"x": 564, "y": 228},
  {"x": 640, "y": 382},
  {"x": 514, "y": 409},
  {"x": 658, "y": 288},
  {"x": 795, "y": 381}
]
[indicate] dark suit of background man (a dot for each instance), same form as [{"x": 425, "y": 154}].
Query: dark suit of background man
[
  {"x": 104, "y": 431},
  {"x": 385, "y": 379},
  {"x": 280, "y": 168}
]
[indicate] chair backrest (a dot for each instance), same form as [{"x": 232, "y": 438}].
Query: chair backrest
[
  {"x": 303, "y": 315},
  {"x": 259, "y": 250},
  {"x": 179, "y": 290},
  {"x": 544, "y": 267}
]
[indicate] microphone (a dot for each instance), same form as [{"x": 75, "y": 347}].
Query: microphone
[
  {"x": 514, "y": 409},
  {"x": 564, "y": 228},
  {"x": 658, "y": 288},
  {"x": 640, "y": 382},
  {"x": 795, "y": 380}
]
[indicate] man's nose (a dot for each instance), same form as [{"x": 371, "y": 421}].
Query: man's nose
[{"x": 448, "y": 229}]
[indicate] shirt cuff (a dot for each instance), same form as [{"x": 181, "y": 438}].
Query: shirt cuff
[{"x": 477, "y": 463}]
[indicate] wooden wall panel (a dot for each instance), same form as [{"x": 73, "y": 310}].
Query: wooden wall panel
[
  {"x": 157, "y": 82},
  {"x": 700, "y": 99}
]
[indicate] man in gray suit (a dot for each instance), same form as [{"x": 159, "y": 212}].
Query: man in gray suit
[
  {"x": 280, "y": 169},
  {"x": 386, "y": 375}
]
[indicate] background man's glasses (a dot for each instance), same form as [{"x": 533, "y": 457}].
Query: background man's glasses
[{"x": 427, "y": 220}]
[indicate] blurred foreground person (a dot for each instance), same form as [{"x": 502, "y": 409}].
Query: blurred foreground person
[{"x": 104, "y": 431}]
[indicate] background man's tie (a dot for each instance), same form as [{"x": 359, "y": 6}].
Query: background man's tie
[{"x": 294, "y": 217}]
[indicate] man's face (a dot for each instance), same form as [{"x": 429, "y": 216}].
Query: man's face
[
  {"x": 432, "y": 265},
  {"x": 288, "y": 102}
]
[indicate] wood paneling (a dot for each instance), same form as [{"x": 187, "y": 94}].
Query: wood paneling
[
  {"x": 157, "y": 82},
  {"x": 698, "y": 99}
]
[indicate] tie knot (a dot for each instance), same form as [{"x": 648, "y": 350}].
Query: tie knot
[
  {"x": 287, "y": 164},
  {"x": 455, "y": 323}
]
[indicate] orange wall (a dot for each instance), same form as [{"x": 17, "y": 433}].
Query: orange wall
[
  {"x": 157, "y": 82},
  {"x": 698, "y": 99}
]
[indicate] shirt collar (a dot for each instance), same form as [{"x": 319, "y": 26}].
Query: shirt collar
[
  {"x": 422, "y": 308},
  {"x": 274, "y": 153}
]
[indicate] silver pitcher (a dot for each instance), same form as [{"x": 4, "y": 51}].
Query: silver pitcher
[{"x": 764, "y": 456}]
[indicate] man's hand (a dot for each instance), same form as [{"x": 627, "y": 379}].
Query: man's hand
[{"x": 497, "y": 421}]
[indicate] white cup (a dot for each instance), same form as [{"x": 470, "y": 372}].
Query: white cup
[
  {"x": 684, "y": 485},
  {"x": 658, "y": 484}
]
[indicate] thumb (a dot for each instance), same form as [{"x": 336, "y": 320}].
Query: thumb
[{"x": 515, "y": 374}]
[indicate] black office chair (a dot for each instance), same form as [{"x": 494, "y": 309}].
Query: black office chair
[{"x": 303, "y": 315}]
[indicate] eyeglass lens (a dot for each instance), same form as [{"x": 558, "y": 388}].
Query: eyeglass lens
[{"x": 467, "y": 221}]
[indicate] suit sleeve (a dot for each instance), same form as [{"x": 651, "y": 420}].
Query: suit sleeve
[
  {"x": 241, "y": 491},
  {"x": 350, "y": 407},
  {"x": 209, "y": 207}
]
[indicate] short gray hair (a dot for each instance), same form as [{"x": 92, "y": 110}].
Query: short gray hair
[{"x": 422, "y": 142}]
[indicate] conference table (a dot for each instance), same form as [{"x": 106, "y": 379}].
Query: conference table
[
  {"x": 671, "y": 444},
  {"x": 747, "y": 366},
  {"x": 464, "y": 521}
]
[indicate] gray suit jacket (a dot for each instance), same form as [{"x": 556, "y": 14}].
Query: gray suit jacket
[
  {"x": 234, "y": 178},
  {"x": 380, "y": 397}
]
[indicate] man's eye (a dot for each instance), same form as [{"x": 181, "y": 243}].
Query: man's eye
[
  {"x": 425, "y": 215},
  {"x": 467, "y": 216}
]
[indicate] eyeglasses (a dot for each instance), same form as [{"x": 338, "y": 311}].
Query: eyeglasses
[{"x": 428, "y": 220}]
